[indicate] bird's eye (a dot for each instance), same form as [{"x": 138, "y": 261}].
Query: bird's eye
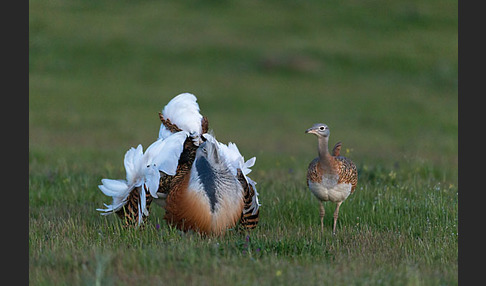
[{"x": 321, "y": 128}]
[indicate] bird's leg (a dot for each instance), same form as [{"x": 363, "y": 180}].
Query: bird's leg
[
  {"x": 322, "y": 212},
  {"x": 336, "y": 214}
]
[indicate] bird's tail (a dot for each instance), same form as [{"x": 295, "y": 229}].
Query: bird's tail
[{"x": 336, "y": 151}]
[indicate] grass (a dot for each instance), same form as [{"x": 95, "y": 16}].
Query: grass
[
  {"x": 397, "y": 228},
  {"x": 382, "y": 75}
]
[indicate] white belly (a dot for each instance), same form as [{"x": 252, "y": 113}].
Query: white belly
[{"x": 330, "y": 192}]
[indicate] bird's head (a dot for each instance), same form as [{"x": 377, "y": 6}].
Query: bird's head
[
  {"x": 209, "y": 151},
  {"x": 319, "y": 129}
]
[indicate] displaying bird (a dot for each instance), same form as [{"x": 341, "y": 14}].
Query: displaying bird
[
  {"x": 330, "y": 177},
  {"x": 201, "y": 183}
]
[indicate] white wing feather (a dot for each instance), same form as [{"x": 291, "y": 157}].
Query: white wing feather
[
  {"x": 143, "y": 170},
  {"x": 165, "y": 153},
  {"x": 113, "y": 187},
  {"x": 133, "y": 161},
  {"x": 164, "y": 132}
]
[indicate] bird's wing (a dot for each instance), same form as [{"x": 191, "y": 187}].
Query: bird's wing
[
  {"x": 347, "y": 171},
  {"x": 132, "y": 162},
  {"x": 118, "y": 190},
  {"x": 143, "y": 176},
  {"x": 165, "y": 153},
  {"x": 113, "y": 187}
]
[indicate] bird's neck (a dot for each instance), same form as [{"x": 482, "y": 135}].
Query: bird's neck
[{"x": 324, "y": 155}]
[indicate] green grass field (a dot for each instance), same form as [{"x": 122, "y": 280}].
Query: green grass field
[{"x": 382, "y": 75}]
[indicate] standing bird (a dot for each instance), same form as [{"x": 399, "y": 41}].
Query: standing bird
[{"x": 330, "y": 177}]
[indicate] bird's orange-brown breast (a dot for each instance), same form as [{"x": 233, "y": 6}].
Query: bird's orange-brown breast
[
  {"x": 185, "y": 211},
  {"x": 189, "y": 210}
]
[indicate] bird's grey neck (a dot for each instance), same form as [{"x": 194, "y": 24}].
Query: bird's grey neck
[{"x": 324, "y": 156}]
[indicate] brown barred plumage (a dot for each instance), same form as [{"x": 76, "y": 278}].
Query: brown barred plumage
[
  {"x": 129, "y": 212},
  {"x": 247, "y": 220},
  {"x": 348, "y": 173},
  {"x": 166, "y": 121},
  {"x": 204, "y": 125},
  {"x": 314, "y": 172},
  {"x": 173, "y": 128}
]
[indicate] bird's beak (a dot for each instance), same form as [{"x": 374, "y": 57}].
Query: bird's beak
[{"x": 310, "y": 130}]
